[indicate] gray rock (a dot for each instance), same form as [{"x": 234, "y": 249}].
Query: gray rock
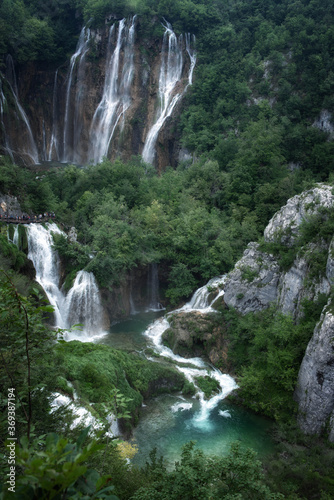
[
  {"x": 253, "y": 284},
  {"x": 284, "y": 224},
  {"x": 315, "y": 388},
  {"x": 294, "y": 288}
]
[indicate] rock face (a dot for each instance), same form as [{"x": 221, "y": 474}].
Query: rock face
[
  {"x": 258, "y": 281},
  {"x": 315, "y": 387},
  {"x": 284, "y": 225},
  {"x": 253, "y": 284}
]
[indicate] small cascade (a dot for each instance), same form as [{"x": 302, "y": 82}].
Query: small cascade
[
  {"x": 116, "y": 92},
  {"x": 31, "y": 149},
  {"x": 15, "y": 239},
  {"x": 70, "y": 135},
  {"x": 169, "y": 78},
  {"x": 83, "y": 304},
  {"x": 153, "y": 288},
  {"x": 199, "y": 301},
  {"x": 133, "y": 309}
]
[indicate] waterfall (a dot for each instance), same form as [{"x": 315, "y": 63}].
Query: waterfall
[
  {"x": 82, "y": 303},
  {"x": 11, "y": 78},
  {"x": 3, "y": 106},
  {"x": 70, "y": 135},
  {"x": 153, "y": 288},
  {"x": 54, "y": 134},
  {"x": 199, "y": 301},
  {"x": 116, "y": 92},
  {"x": 169, "y": 78},
  {"x": 46, "y": 263}
]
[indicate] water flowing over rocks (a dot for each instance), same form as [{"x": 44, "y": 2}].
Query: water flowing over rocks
[
  {"x": 115, "y": 98},
  {"x": 196, "y": 334},
  {"x": 315, "y": 387}
]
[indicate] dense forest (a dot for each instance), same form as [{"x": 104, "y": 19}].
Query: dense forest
[{"x": 256, "y": 127}]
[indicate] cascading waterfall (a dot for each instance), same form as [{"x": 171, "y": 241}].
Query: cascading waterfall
[
  {"x": 199, "y": 302},
  {"x": 31, "y": 150},
  {"x": 116, "y": 92},
  {"x": 82, "y": 303},
  {"x": 170, "y": 76},
  {"x": 46, "y": 263},
  {"x": 70, "y": 135},
  {"x": 200, "y": 299}
]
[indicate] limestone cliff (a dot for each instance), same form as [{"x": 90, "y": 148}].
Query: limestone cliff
[
  {"x": 259, "y": 280},
  {"x": 105, "y": 101}
]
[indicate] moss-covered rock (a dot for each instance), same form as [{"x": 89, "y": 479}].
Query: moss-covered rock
[
  {"x": 197, "y": 334},
  {"x": 95, "y": 370}
]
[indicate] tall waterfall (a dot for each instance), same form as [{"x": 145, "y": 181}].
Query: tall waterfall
[
  {"x": 116, "y": 91},
  {"x": 71, "y": 118},
  {"x": 29, "y": 148},
  {"x": 82, "y": 303},
  {"x": 170, "y": 76}
]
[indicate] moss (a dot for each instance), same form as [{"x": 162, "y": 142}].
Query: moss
[
  {"x": 208, "y": 385},
  {"x": 96, "y": 370}
]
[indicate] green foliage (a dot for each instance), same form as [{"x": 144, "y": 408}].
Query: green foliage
[
  {"x": 208, "y": 385},
  {"x": 197, "y": 476},
  {"x": 54, "y": 468},
  {"x": 97, "y": 371},
  {"x": 266, "y": 351}
]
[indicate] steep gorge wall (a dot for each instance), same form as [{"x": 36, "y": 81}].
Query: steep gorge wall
[
  {"x": 60, "y": 103},
  {"x": 258, "y": 280}
]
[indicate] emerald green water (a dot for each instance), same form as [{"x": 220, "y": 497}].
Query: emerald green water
[{"x": 168, "y": 422}]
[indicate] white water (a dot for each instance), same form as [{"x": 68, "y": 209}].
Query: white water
[
  {"x": 116, "y": 92},
  {"x": 83, "y": 416},
  {"x": 82, "y": 303},
  {"x": 199, "y": 302},
  {"x": 169, "y": 78},
  {"x": 69, "y": 124},
  {"x": 31, "y": 150}
]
